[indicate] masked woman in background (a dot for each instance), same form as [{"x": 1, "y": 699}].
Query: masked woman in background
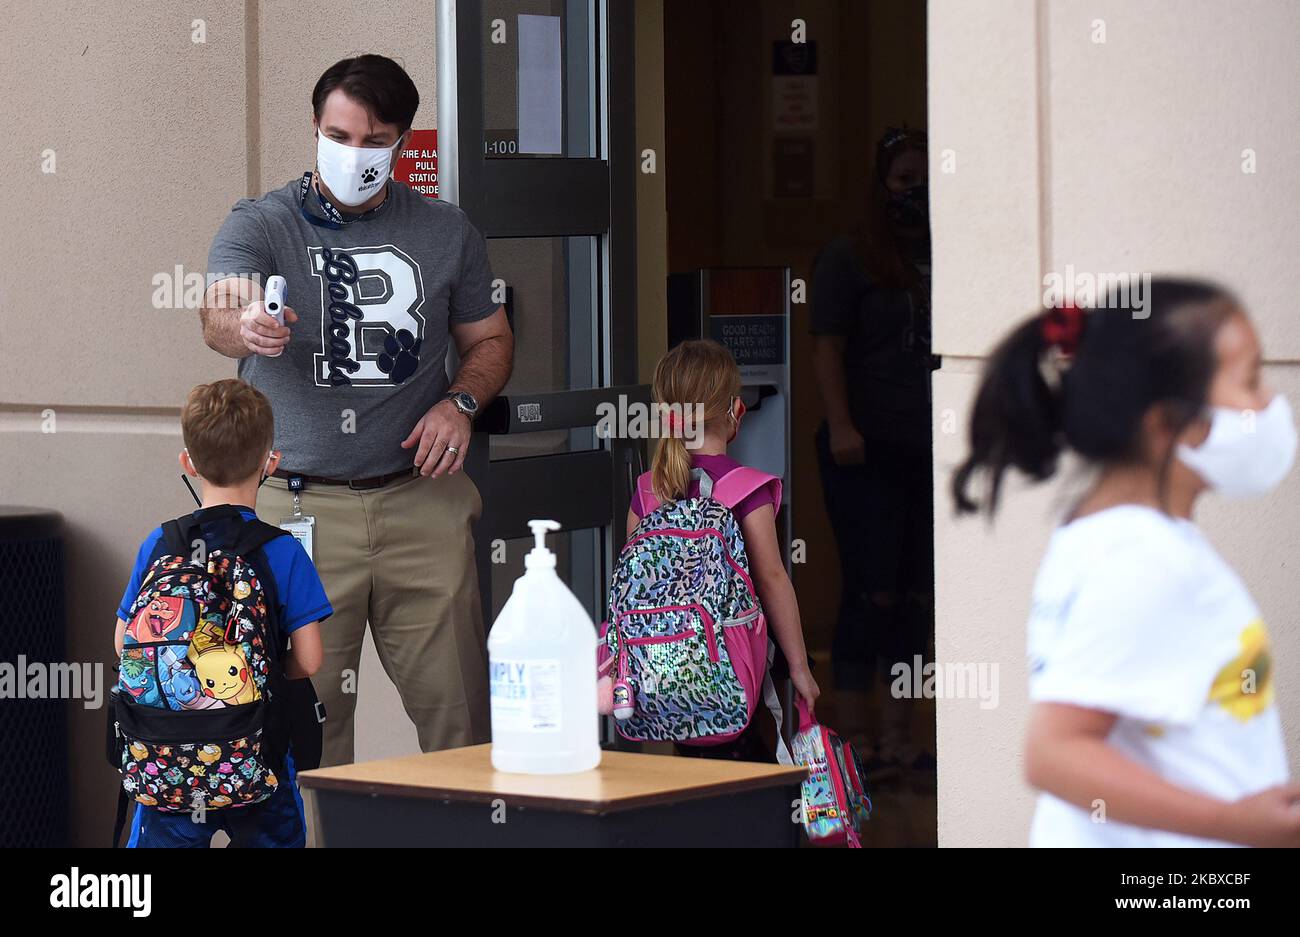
[{"x": 871, "y": 328}]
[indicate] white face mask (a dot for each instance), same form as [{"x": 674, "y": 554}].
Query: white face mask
[
  {"x": 353, "y": 174},
  {"x": 1246, "y": 453}
]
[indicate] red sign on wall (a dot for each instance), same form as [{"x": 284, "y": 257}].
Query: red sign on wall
[{"x": 417, "y": 163}]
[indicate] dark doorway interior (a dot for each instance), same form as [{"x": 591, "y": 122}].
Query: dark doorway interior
[{"x": 770, "y": 155}]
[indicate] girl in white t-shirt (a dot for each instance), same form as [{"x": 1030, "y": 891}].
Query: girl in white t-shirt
[{"x": 1153, "y": 722}]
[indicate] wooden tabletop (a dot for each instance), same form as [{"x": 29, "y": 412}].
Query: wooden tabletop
[{"x": 623, "y": 781}]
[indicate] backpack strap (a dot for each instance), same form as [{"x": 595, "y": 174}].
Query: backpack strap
[
  {"x": 249, "y": 544},
  {"x": 650, "y": 501},
  {"x": 180, "y": 534},
  {"x": 704, "y": 480},
  {"x": 256, "y": 534},
  {"x": 807, "y": 716},
  {"x": 773, "y": 702},
  {"x": 730, "y": 489},
  {"x": 277, "y": 731},
  {"x": 741, "y": 482}
]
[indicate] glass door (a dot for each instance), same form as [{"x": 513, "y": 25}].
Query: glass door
[{"x": 536, "y": 144}]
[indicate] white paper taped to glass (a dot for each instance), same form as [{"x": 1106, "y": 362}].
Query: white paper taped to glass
[{"x": 541, "y": 85}]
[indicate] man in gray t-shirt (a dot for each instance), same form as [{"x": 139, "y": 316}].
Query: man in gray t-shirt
[
  {"x": 380, "y": 281},
  {"x": 419, "y": 268}
]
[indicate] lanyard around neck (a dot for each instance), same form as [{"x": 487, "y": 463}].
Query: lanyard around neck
[{"x": 334, "y": 219}]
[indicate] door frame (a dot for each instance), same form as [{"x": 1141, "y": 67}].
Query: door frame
[{"x": 553, "y": 197}]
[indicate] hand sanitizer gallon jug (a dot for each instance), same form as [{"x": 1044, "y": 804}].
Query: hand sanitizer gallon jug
[{"x": 542, "y": 665}]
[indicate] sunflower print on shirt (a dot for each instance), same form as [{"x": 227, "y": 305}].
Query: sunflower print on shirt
[{"x": 1244, "y": 687}]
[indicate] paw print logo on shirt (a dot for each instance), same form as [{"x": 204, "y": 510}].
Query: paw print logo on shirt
[
  {"x": 370, "y": 175},
  {"x": 401, "y": 356}
]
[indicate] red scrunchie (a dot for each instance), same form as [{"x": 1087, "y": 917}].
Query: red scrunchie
[{"x": 1063, "y": 328}]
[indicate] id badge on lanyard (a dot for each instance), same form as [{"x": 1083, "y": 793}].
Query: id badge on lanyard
[{"x": 302, "y": 526}]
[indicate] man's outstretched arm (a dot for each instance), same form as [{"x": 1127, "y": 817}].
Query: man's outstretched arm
[{"x": 236, "y": 324}]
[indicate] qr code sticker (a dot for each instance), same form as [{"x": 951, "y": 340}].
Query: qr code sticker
[{"x": 530, "y": 413}]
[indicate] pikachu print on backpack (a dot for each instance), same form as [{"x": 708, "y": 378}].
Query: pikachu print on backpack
[{"x": 191, "y": 719}]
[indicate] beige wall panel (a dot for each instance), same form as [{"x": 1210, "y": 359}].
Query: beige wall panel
[
  {"x": 147, "y": 131},
  {"x": 983, "y": 577},
  {"x": 1147, "y": 133},
  {"x": 983, "y": 74}
]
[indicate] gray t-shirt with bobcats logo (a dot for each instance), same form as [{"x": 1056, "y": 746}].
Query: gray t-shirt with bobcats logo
[{"x": 374, "y": 300}]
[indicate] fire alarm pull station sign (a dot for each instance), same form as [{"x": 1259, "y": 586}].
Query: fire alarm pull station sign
[{"x": 417, "y": 163}]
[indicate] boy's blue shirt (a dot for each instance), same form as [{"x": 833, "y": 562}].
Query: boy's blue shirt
[{"x": 302, "y": 597}]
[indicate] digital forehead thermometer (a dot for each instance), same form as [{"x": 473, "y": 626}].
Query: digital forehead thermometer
[{"x": 274, "y": 299}]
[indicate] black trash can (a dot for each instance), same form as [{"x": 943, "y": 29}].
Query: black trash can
[{"x": 33, "y": 731}]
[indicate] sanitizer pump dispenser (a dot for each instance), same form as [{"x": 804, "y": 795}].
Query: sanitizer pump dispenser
[{"x": 542, "y": 660}]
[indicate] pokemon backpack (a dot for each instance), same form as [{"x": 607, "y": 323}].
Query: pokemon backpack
[
  {"x": 192, "y": 725},
  {"x": 835, "y": 803},
  {"x": 685, "y": 644}
]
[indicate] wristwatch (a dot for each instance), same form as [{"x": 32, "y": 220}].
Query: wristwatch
[{"x": 464, "y": 402}]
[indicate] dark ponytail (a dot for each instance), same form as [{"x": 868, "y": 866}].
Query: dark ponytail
[
  {"x": 1040, "y": 395},
  {"x": 1016, "y": 419}
]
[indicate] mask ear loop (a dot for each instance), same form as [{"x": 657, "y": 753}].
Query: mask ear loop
[
  {"x": 193, "y": 494},
  {"x": 266, "y": 468},
  {"x": 735, "y": 420}
]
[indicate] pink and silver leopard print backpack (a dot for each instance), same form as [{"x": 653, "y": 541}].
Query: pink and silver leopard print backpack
[{"x": 686, "y": 643}]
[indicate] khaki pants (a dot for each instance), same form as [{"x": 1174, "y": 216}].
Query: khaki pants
[{"x": 402, "y": 558}]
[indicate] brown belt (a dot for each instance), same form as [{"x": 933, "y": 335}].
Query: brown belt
[{"x": 356, "y": 484}]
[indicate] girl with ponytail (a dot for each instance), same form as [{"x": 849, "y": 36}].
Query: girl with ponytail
[
  {"x": 1153, "y": 720},
  {"x": 697, "y": 389}
]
